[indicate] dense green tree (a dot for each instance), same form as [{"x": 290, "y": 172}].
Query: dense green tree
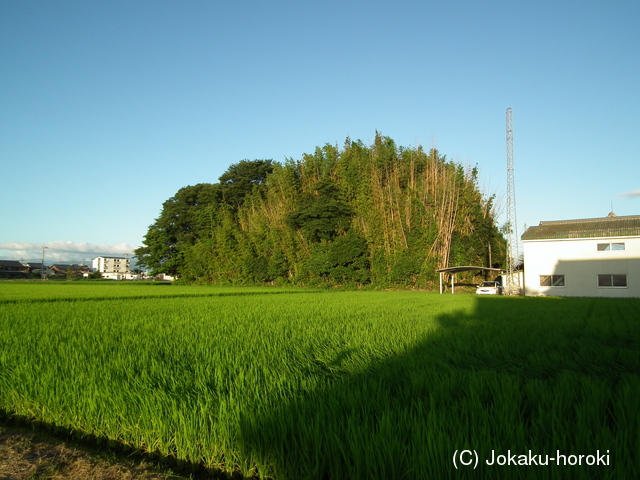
[
  {"x": 379, "y": 214},
  {"x": 185, "y": 217},
  {"x": 242, "y": 178},
  {"x": 344, "y": 260},
  {"x": 321, "y": 214}
]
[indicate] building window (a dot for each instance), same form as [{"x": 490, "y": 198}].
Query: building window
[
  {"x": 612, "y": 281},
  {"x": 606, "y": 247},
  {"x": 552, "y": 280}
]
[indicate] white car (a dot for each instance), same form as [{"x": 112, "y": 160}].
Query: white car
[{"x": 489, "y": 288}]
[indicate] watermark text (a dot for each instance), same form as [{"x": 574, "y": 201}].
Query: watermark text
[{"x": 471, "y": 459}]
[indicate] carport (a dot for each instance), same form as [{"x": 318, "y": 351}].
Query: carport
[{"x": 454, "y": 270}]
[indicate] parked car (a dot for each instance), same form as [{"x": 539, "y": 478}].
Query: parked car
[{"x": 489, "y": 288}]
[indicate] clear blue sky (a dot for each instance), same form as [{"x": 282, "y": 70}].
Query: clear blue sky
[{"x": 108, "y": 108}]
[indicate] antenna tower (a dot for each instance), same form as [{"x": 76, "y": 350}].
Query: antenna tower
[{"x": 513, "y": 279}]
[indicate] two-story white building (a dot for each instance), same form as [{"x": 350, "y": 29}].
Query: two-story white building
[
  {"x": 115, "y": 268},
  {"x": 594, "y": 257}
]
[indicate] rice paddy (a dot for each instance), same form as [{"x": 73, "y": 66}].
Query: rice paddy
[{"x": 298, "y": 384}]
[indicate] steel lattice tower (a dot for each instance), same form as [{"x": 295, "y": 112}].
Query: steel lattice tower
[{"x": 513, "y": 279}]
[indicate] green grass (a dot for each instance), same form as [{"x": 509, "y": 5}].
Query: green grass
[{"x": 327, "y": 384}]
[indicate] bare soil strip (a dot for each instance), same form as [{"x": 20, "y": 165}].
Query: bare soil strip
[{"x": 29, "y": 455}]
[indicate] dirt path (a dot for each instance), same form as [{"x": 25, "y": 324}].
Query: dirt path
[{"x": 27, "y": 455}]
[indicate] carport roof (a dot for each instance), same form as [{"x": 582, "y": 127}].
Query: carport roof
[{"x": 469, "y": 268}]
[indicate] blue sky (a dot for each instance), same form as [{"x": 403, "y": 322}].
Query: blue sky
[{"x": 108, "y": 108}]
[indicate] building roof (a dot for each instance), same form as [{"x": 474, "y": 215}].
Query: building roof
[
  {"x": 11, "y": 264},
  {"x": 73, "y": 267},
  {"x": 36, "y": 265},
  {"x": 611, "y": 226}
]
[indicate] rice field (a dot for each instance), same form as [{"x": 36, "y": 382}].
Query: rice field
[{"x": 298, "y": 384}]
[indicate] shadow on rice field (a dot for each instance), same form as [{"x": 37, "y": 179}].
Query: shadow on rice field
[{"x": 526, "y": 378}]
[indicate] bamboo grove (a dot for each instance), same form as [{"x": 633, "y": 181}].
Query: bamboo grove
[{"x": 378, "y": 215}]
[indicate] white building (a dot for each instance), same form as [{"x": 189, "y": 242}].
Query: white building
[
  {"x": 595, "y": 257},
  {"x": 115, "y": 268}
]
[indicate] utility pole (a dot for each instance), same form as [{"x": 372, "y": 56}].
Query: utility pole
[
  {"x": 42, "y": 274},
  {"x": 513, "y": 278}
]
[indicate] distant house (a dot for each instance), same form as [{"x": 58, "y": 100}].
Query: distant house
[
  {"x": 37, "y": 267},
  {"x": 33, "y": 266},
  {"x": 164, "y": 277},
  {"x": 594, "y": 257},
  {"x": 76, "y": 270},
  {"x": 60, "y": 269},
  {"x": 13, "y": 269},
  {"x": 115, "y": 268}
]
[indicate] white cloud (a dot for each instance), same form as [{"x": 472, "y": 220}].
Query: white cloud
[
  {"x": 61, "y": 251},
  {"x": 635, "y": 193}
]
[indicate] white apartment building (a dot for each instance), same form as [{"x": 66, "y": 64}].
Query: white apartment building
[
  {"x": 115, "y": 268},
  {"x": 594, "y": 257}
]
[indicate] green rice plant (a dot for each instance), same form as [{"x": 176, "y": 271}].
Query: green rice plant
[
  {"x": 310, "y": 385},
  {"x": 15, "y": 291}
]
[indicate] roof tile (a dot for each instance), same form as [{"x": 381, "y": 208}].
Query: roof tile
[{"x": 611, "y": 226}]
